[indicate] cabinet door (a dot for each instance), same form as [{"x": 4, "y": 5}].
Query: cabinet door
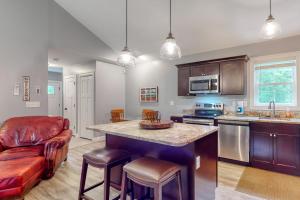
[
  {"x": 205, "y": 69},
  {"x": 261, "y": 149},
  {"x": 183, "y": 81},
  {"x": 232, "y": 77},
  {"x": 286, "y": 152}
]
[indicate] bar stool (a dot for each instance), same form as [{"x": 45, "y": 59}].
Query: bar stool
[
  {"x": 102, "y": 158},
  {"x": 151, "y": 173}
]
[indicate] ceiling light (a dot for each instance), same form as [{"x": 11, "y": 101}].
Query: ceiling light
[
  {"x": 126, "y": 58},
  {"x": 271, "y": 28},
  {"x": 170, "y": 50}
]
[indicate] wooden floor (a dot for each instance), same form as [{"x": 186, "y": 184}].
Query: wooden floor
[{"x": 235, "y": 182}]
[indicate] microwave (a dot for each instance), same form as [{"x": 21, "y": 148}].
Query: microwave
[{"x": 204, "y": 84}]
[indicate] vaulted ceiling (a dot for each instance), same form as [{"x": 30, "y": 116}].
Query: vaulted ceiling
[{"x": 198, "y": 25}]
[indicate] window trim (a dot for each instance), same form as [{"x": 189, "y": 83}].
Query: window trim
[{"x": 251, "y": 83}]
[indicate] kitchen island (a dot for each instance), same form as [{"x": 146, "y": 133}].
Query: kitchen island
[{"x": 195, "y": 147}]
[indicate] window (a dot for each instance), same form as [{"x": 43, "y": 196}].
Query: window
[
  {"x": 274, "y": 80},
  {"x": 51, "y": 90}
]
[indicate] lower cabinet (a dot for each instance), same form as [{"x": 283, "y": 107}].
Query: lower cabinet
[{"x": 275, "y": 147}]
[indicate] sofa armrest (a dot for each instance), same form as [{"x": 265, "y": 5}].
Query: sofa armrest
[{"x": 53, "y": 149}]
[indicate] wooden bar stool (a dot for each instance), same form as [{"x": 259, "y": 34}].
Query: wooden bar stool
[
  {"x": 151, "y": 173},
  {"x": 117, "y": 115},
  {"x": 102, "y": 158}
]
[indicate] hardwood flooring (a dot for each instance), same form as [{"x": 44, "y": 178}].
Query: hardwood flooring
[{"x": 234, "y": 180}]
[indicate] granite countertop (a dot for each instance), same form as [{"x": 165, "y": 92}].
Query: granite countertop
[
  {"x": 258, "y": 119},
  {"x": 179, "y": 135}
]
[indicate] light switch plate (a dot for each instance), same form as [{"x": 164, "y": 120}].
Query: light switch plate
[{"x": 33, "y": 104}]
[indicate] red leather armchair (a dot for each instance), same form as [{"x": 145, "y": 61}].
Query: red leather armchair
[{"x": 31, "y": 148}]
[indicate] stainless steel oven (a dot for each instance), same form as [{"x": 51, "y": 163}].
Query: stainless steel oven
[{"x": 204, "y": 84}]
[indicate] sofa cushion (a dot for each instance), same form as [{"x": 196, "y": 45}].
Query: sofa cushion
[
  {"x": 16, "y": 173},
  {"x": 22, "y": 152},
  {"x": 28, "y": 131}
]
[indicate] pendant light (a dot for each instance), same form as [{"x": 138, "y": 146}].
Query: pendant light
[
  {"x": 271, "y": 28},
  {"x": 170, "y": 50},
  {"x": 126, "y": 57}
]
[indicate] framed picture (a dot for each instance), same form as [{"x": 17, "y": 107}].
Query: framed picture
[
  {"x": 149, "y": 94},
  {"x": 26, "y": 88}
]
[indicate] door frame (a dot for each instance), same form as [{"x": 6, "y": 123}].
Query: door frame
[
  {"x": 76, "y": 107},
  {"x": 61, "y": 95},
  {"x": 79, "y": 99}
]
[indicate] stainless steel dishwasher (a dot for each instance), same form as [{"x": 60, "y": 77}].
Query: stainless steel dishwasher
[{"x": 234, "y": 140}]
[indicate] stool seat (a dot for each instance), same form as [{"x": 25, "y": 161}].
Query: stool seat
[
  {"x": 103, "y": 157},
  {"x": 151, "y": 170}
]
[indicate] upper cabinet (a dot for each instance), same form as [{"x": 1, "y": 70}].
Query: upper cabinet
[
  {"x": 233, "y": 77},
  {"x": 231, "y": 71},
  {"x": 205, "y": 69},
  {"x": 184, "y": 73}
]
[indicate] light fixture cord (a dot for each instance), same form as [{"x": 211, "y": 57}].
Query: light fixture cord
[
  {"x": 126, "y": 23},
  {"x": 270, "y": 7},
  {"x": 170, "y": 16}
]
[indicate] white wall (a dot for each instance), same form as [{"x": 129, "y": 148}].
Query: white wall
[
  {"x": 23, "y": 51},
  {"x": 164, "y": 75},
  {"x": 110, "y": 90}
]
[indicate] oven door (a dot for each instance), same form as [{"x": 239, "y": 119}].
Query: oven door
[
  {"x": 199, "y": 85},
  {"x": 206, "y": 122}
]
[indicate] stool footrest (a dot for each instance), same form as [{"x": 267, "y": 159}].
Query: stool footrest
[
  {"x": 84, "y": 197},
  {"x": 93, "y": 186}
]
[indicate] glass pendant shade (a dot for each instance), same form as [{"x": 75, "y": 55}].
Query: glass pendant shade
[
  {"x": 271, "y": 28},
  {"x": 126, "y": 59},
  {"x": 170, "y": 50}
]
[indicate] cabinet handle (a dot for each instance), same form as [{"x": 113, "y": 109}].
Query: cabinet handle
[
  {"x": 274, "y": 135},
  {"x": 271, "y": 135}
]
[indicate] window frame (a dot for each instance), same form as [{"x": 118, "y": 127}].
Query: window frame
[{"x": 254, "y": 91}]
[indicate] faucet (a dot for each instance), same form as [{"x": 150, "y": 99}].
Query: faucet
[{"x": 273, "y": 108}]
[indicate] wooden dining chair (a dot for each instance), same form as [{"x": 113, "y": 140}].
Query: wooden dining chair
[
  {"x": 151, "y": 115},
  {"x": 117, "y": 115}
]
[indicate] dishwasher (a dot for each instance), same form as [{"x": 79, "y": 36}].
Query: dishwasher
[{"x": 234, "y": 140}]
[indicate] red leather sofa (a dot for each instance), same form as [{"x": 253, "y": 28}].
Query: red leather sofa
[{"x": 31, "y": 149}]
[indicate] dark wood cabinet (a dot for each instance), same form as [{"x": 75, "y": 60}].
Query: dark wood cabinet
[
  {"x": 232, "y": 77},
  {"x": 205, "y": 69},
  {"x": 183, "y": 80},
  {"x": 177, "y": 119},
  {"x": 232, "y": 73},
  {"x": 275, "y": 146}
]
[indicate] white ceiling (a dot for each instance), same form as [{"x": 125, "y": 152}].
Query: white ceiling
[{"x": 198, "y": 25}]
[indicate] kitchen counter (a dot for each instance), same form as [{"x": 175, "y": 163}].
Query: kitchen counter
[
  {"x": 179, "y": 135},
  {"x": 194, "y": 147},
  {"x": 258, "y": 119}
]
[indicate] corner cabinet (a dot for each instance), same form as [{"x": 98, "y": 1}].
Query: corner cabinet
[
  {"x": 275, "y": 146},
  {"x": 184, "y": 73},
  {"x": 233, "y": 77}
]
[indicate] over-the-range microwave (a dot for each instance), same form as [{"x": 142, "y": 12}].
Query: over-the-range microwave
[{"x": 204, "y": 84}]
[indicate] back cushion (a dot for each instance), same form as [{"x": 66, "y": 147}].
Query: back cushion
[{"x": 28, "y": 131}]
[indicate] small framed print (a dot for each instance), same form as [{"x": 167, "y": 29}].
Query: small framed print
[
  {"x": 149, "y": 95},
  {"x": 26, "y": 88}
]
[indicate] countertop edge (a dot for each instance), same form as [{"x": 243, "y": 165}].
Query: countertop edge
[{"x": 156, "y": 141}]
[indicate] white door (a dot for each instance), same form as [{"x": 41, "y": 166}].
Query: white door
[
  {"x": 70, "y": 104},
  {"x": 54, "y": 98},
  {"x": 86, "y": 104}
]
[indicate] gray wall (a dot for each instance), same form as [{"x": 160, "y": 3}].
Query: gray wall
[
  {"x": 55, "y": 76},
  {"x": 110, "y": 90},
  {"x": 28, "y": 30},
  {"x": 164, "y": 75},
  {"x": 23, "y": 51}
]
